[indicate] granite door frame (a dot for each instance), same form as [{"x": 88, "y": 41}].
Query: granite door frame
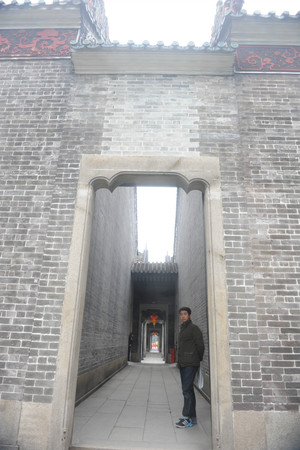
[{"x": 100, "y": 171}]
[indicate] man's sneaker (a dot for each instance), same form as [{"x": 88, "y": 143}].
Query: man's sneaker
[
  {"x": 184, "y": 423},
  {"x": 193, "y": 419}
]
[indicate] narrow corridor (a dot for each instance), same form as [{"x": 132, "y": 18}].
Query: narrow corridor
[{"x": 137, "y": 409}]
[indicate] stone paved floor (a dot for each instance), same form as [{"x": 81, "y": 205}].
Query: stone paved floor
[{"x": 137, "y": 409}]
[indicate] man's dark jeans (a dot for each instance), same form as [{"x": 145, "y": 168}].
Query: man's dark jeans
[{"x": 187, "y": 379}]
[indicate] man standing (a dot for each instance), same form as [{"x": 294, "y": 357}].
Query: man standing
[
  {"x": 190, "y": 353},
  {"x": 130, "y": 341}
]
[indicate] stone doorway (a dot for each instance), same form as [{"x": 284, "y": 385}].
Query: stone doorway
[
  {"x": 109, "y": 172},
  {"x": 154, "y": 304},
  {"x": 153, "y": 339}
]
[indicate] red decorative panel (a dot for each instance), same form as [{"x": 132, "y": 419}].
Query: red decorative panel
[
  {"x": 41, "y": 43},
  {"x": 263, "y": 58}
]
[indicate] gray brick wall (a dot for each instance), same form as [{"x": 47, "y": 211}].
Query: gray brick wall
[
  {"x": 251, "y": 122},
  {"x": 36, "y": 220},
  {"x": 106, "y": 321},
  {"x": 269, "y": 123},
  {"x": 190, "y": 257}
]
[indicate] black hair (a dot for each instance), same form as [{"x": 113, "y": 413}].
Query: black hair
[{"x": 187, "y": 309}]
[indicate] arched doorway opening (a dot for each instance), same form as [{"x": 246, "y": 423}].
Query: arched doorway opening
[
  {"x": 155, "y": 342},
  {"x": 153, "y": 337},
  {"x": 109, "y": 172}
]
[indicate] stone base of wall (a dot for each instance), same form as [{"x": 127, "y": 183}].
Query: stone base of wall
[
  {"x": 261, "y": 430},
  {"x": 206, "y": 386},
  {"x": 29, "y": 431},
  {"x": 9, "y": 447},
  {"x": 9, "y": 422},
  {"x": 92, "y": 380}
]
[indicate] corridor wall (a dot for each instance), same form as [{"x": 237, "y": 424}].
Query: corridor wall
[
  {"x": 190, "y": 257},
  {"x": 106, "y": 320}
]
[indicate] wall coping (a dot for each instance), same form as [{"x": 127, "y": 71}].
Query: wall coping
[{"x": 142, "y": 60}]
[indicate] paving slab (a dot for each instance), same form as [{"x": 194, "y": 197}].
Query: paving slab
[
  {"x": 91, "y": 407},
  {"x": 112, "y": 406},
  {"x": 97, "y": 428},
  {"x": 159, "y": 427},
  {"x": 126, "y": 434},
  {"x": 132, "y": 416},
  {"x": 138, "y": 409}
]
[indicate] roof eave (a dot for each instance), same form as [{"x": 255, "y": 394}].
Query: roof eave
[
  {"x": 138, "y": 60},
  {"x": 265, "y": 30},
  {"x": 30, "y": 17}
]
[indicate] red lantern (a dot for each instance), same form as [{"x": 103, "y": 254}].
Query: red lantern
[{"x": 154, "y": 318}]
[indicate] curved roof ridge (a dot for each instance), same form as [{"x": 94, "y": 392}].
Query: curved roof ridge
[
  {"x": 39, "y": 4},
  {"x": 206, "y": 47},
  {"x": 226, "y": 20},
  {"x": 270, "y": 14}
]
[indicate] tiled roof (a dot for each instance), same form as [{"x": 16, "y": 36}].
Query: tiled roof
[
  {"x": 243, "y": 28},
  {"x": 154, "y": 268},
  {"x": 271, "y": 14},
  {"x": 31, "y": 15},
  {"x": 113, "y": 58},
  {"x": 161, "y": 46},
  {"x": 55, "y": 3},
  {"x": 206, "y": 47},
  {"x": 38, "y": 4}
]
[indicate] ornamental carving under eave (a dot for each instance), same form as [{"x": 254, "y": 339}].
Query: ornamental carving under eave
[
  {"x": 265, "y": 58},
  {"x": 221, "y": 32},
  {"x": 94, "y": 24},
  {"x": 36, "y": 43}
]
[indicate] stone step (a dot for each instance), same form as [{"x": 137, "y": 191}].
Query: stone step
[{"x": 140, "y": 446}]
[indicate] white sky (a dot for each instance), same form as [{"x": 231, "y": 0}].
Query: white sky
[
  {"x": 168, "y": 21},
  {"x": 175, "y": 20},
  {"x": 156, "y": 220}
]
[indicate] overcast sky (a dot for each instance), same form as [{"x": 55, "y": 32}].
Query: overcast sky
[
  {"x": 175, "y": 20},
  {"x": 156, "y": 221}
]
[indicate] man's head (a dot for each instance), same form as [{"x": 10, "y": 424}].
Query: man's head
[{"x": 185, "y": 314}]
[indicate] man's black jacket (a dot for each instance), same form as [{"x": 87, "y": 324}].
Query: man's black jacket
[{"x": 190, "y": 345}]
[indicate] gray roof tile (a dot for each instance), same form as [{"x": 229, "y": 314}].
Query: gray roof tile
[
  {"x": 206, "y": 47},
  {"x": 154, "y": 268}
]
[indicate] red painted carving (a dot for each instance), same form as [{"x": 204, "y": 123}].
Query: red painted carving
[
  {"x": 263, "y": 58},
  {"x": 4, "y": 44},
  {"x": 41, "y": 43}
]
